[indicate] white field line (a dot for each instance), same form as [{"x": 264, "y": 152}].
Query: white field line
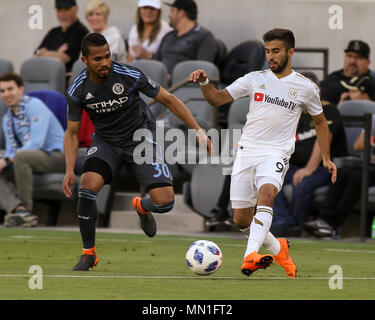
[
  {"x": 67, "y": 239},
  {"x": 350, "y": 250},
  {"x": 57, "y": 276}
]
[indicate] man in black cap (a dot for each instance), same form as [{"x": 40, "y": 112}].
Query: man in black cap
[
  {"x": 188, "y": 40},
  {"x": 64, "y": 42},
  {"x": 354, "y": 81}
]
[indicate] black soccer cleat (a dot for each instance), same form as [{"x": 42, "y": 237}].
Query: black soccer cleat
[
  {"x": 86, "y": 261},
  {"x": 148, "y": 223}
]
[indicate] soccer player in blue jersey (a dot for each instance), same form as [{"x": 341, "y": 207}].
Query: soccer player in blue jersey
[{"x": 109, "y": 92}]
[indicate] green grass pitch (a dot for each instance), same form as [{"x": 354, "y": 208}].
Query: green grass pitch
[{"x": 134, "y": 267}]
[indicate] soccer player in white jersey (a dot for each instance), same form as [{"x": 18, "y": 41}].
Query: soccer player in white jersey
[{"x": 278, "y": 96}]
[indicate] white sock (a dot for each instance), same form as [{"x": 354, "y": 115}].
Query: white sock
[
  {"x": 272, "y": 244},
  {"x": 259, "y": 228}
]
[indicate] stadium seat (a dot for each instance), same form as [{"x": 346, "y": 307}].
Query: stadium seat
[
  {"x": 5, "y": 66},
  {"x": 204, "y": 188},
  {"x": 55, "y": 100},
  {"x": 352, "y": 130},
  {"x": 246, "y": 57},
  {"x": 43, "y": 74},
  {"x": 182, "y": 70},
  {"x": 158, "y": 72},
  {"x": 220, "y": 53},
  {"x": 191, "y": 94},
  {"x": 188, "y": 91}
]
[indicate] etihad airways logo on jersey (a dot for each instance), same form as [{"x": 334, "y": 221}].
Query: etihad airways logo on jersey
[
  {"x": 259, "y": 97},
  {"x": 107, "y": 106}
]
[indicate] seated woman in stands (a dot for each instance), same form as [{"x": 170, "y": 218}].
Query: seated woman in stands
[
  {"x": 145, "y": 36},
  {"x": 97, "y": 13}
]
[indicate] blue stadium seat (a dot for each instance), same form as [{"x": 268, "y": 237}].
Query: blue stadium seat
[{"x": 55, "y": 101}]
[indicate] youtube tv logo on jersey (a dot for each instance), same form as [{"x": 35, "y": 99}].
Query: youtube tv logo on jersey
[{"x": 258, "y": 96}]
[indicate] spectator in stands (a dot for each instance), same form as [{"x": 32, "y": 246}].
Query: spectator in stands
[
  {"x": 306, "y": 172},
  {"x": 64, "y": 42},
  {"x": 188, "y": 40},
  {"x": 97, "y": 13},
  {"x": 145, "y": 36},
  {"x": 356, "y": 65},
  {"x": 34, "y": 144},
  {"x": 341, "y": 198}
]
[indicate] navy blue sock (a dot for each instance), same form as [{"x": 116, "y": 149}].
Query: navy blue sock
[
  {"x": 87, "y": 215},
  {"x": 148, "y": 205}
]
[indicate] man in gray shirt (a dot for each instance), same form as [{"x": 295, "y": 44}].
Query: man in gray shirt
[{"x": 188, "y": 40}]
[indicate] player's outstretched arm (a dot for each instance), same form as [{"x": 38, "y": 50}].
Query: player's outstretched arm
[
  {"x": 71, "y": 144},
  {"x": 181, "y": 111},
  {"x": 323, "y": 136},
  {"x": 214, "y": 96}
]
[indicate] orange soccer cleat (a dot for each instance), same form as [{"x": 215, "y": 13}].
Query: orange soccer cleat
[
  {"x": 148, "y": 223},
  {"x": 284, "y": 260},
  {"x": 255, "y": 261}
]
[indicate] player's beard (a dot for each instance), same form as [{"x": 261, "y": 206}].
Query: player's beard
[
  {"x": 280, "y": 67},
  {"x": 103, "y": 76}
]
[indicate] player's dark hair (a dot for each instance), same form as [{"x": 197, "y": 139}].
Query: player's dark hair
[
  {"x": 92, "y": 40},
  {"x": 284, "y": 35},
  {"x": 11, "y": 76}
]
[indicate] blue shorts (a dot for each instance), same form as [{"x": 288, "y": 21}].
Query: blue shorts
[{"x": 151, "y": 174}]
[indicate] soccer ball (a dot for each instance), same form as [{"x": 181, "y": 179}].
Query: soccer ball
[{"x": 204, "y": 257}]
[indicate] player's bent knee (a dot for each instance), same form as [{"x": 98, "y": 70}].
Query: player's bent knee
[
  {"x": 164, "y": 208},
  {"x": 240, "y": 221},
  {"x": 267, "y": 194}
]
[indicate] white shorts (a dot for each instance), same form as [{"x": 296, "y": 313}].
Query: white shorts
[{"x": 250, "y": 173}]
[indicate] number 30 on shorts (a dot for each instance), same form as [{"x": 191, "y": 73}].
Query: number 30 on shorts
[{"x": 161, "y": 169}]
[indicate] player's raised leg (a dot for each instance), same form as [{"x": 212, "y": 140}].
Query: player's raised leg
[
  {"x": 161, "y": 200},
  {"x": 158, "y": 182}
]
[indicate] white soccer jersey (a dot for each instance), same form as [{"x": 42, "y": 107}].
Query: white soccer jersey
[{"x": 274, "y": 111}]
